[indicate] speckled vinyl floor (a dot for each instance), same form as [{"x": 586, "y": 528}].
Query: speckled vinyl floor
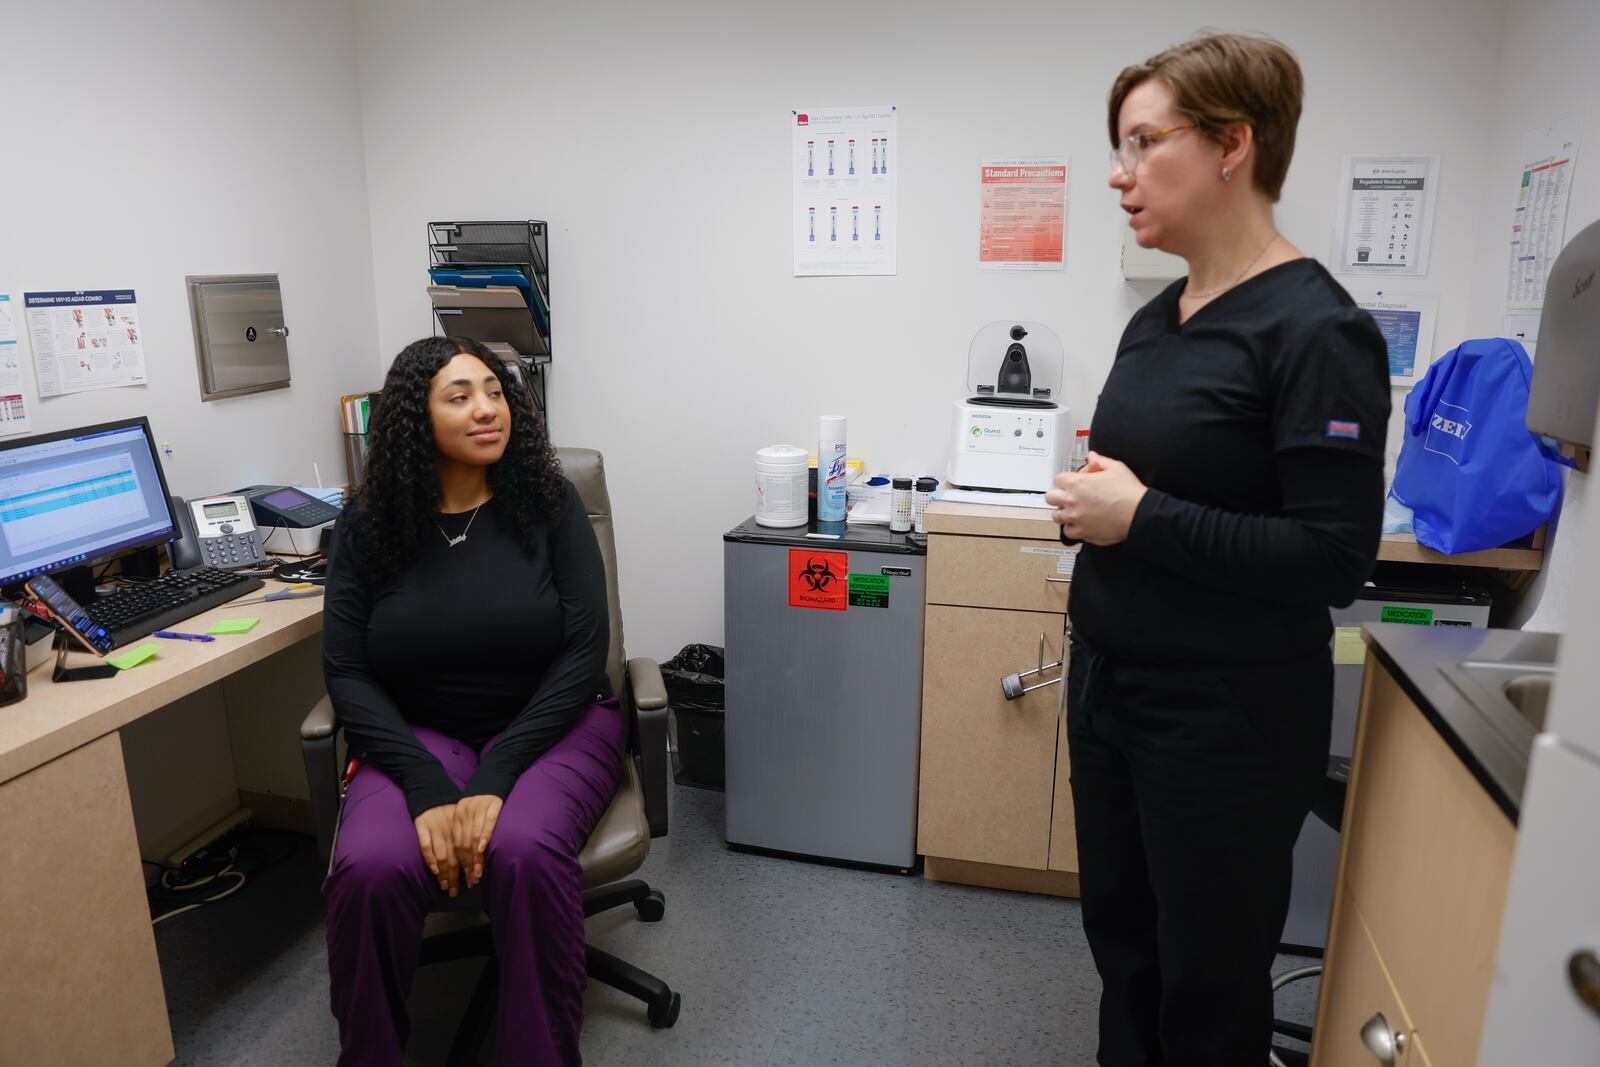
[{"x": 779, "y": 962}]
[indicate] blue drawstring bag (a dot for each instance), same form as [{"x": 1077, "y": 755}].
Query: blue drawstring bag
[{"x": 1470, "y": 469}]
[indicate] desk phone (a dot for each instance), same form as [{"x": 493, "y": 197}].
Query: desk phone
[{"x": 218, "y": 531}]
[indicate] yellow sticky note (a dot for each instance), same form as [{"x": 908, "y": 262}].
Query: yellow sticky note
[
  {"x": 1348, "y": 648},
  {"x": 133, "y": 656},
  {"x": 233, "y": 626}
]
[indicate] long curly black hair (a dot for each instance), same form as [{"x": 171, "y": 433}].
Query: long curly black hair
[{"x": 398, "y": 500}]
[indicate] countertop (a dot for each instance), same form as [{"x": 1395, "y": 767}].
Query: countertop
[{"x": 1494, "y": 747}]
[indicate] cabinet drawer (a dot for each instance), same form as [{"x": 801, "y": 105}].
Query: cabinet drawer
[
  {"x": 1427, "y": 860},
  {"x": 988, "y": 764},
  {"x": 998, "y": 572},
  {"x": 1355, "y": 990}
]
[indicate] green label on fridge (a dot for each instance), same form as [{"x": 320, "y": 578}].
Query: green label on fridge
[
  {"x": 1416, "y": 616},
  {"x": 869, "y": 590}
]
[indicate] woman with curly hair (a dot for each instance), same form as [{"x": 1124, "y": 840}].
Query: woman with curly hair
[{"x": 464, "y": 646}]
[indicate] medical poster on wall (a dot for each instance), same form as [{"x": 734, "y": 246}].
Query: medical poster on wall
[
  {"x": 1538, "y": 223},
  {"x": 13, "y": 409},
  {"x": 85, "y": 339},
  {"x": 846, "y": 163},
  {"x": 1385, "y": 222},
  {"x": 1406, "y": 322},
  {"x": 1022, "y": 214}
]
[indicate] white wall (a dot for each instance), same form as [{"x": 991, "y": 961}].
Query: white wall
[
  {"x": 170, "y": 138},
  {"x": 1548, "y": 74},
  {"x": 657, "y": 145}
]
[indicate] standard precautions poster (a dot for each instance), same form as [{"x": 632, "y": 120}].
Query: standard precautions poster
[
  {"x": 845, "y": 165},
  {"x": 1022, "y": 214}
]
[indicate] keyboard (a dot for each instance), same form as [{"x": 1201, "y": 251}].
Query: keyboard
[{"x": 175, "y": 596}]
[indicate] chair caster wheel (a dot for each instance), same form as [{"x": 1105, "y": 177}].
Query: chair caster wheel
[
  {"x": 664, "y": 1014},
  {"x": 652, "y": 908}
]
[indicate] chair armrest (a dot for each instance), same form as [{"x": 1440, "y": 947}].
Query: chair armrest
[
  {"x": 646, "y": 702},
  {"x": 321, "y": 722},
  {"x": 649, "y": 691},
  {"x": 321, "y": 752}
]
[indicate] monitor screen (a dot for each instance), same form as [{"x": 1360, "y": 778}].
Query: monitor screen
[{"x": 79, "y": 496}]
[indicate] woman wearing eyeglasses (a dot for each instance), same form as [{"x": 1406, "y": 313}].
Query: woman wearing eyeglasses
[{"x": 1234, "y": 492}]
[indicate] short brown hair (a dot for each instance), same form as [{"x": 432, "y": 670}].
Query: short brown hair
[{"x": 1227, "y": 79}]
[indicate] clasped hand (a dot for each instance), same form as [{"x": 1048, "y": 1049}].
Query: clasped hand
[
  {"x": 1096, "y": 504},
  {"x": 454, "y": 837}
]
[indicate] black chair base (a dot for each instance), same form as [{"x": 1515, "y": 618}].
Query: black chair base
[{"x": 661, "y": 1003}]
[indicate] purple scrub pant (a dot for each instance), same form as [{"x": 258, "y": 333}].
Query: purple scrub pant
[{"x": 378, "y": 891}]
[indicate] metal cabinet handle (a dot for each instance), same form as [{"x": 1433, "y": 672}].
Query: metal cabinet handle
[
  {"x": 1059, "y": 581},
  {"x": 1583, "y": 970},
  {"x": 1012, "y": 686},
  {"x": 280, "y": 331},
  {"x": 1383, "y": 1041}
]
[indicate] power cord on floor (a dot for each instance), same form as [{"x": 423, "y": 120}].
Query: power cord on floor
[{"x": 212, "y": 874}]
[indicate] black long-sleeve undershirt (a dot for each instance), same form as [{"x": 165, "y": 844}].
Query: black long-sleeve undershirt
[
  {"x": 478, "y": 640},
  {"x": 1318, "y": 549}
]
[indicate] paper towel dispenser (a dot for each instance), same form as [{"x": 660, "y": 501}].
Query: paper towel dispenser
[
  {"x": 1565, "y": 394},
  {"x": 240, "y": 339}
]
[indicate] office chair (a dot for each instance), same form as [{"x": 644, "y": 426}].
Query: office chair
[
  {"x": 1329, "y": 807},
  {"x": 617, "y": 847}
]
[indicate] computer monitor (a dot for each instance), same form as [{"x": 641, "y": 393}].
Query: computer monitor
[{"x": 80, "y": 496}]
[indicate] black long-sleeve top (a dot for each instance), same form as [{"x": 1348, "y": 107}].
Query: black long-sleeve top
[
  {"x": 1258, "y": 426},
  {"x": 474, "y": 640}
]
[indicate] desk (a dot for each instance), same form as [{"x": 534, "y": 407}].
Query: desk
[{"x": 81, "y": 982}]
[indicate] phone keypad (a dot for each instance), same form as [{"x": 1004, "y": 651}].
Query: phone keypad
[{"x": 231, "y": 550}]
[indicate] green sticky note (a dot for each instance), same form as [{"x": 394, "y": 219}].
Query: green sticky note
[
  {"x": 133, "y": 656},
  {"x": 233, "y": 626}
]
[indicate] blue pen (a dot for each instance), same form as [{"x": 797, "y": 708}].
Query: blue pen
[{"x": 183, "y": 637}]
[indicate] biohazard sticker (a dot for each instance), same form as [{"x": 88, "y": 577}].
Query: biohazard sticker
[{"x": 819, "y": 580}]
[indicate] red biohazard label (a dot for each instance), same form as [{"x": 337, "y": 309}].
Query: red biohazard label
[{"x": 819, "y": 580}]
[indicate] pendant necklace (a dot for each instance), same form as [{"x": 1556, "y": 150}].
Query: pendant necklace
[
  {"x": 1247, "y": 266},
  {"x": 454, "y": 541}
]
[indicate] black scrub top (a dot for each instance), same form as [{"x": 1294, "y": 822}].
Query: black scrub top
[{"x": 1259, "y": 428}]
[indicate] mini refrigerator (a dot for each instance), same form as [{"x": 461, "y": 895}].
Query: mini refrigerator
[
  {"x": 1316, "y": 850},
  {"x": 824, "y": 690}
]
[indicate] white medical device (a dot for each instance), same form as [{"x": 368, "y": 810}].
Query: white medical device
[{"x": 1009, "y": 431}]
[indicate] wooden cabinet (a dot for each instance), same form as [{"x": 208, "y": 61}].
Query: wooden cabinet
[
  {"x": 1424, "y": 864},
  {"x": 994, "y": 806}
]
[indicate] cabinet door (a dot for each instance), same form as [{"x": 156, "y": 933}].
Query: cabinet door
[
  {"x": 1551, "y": 916},
  {"x": 988, "y": 764},
  {"x": 1355, "y": 991},
  {"x": 1063, "y": 825},
  {"x": 1427, "y": 859}
]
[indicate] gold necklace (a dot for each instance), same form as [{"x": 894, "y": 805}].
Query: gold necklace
[{"x": 1236, "y": 281}]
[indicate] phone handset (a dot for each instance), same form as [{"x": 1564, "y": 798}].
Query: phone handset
[{"x": 218, "y": 531}]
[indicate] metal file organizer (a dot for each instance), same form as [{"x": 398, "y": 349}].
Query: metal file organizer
[{"x": 516, "y": 315}]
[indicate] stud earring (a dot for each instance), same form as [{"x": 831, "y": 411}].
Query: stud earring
[{"x": 1227, "y": 175}]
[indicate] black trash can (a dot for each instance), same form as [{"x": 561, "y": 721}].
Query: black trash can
[{"x": 695, "y": 680}]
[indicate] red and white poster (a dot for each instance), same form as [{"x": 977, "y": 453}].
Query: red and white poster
[
  {"x": 1022, "y": 220},
  {"x": 819, "y": 580}
]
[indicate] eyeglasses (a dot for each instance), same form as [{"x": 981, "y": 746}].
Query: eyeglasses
[{"x": 1132, "y": 148}]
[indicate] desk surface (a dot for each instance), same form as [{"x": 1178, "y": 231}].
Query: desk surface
[{"x": 57, "y": 717}]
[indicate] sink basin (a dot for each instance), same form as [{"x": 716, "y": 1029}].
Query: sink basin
[
  {"x": 1496, "y": 688},
  {"x": 1530, "y": 695}
]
